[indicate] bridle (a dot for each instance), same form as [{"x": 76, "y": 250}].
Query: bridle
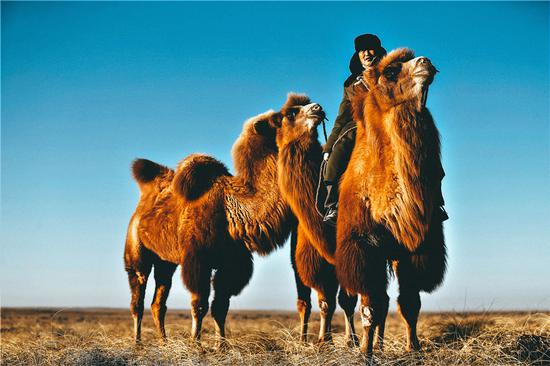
[{"x": 424, "y": 96}]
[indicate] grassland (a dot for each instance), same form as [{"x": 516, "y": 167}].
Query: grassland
[{"x": 103, "y": 337}]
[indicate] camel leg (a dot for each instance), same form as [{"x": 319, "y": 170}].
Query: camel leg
[
  {"x": 327, "y": 305},
  {"x": 229, "y": 280},
  {"x": 422, "y": 271},
  {"x": 163, "y": 272},
  {"x": 138, "y": 261},
  {"x": 374, "y": 303},
  {"x": 347, "y": 303},
  {"x": 409, "y": 308},
  {"x": 220, "y": 307},
  {"x": 372, "y": 311},
  {"x": 384, "y": 305},
  {"x": 196, "y": 274},
  {"x": 327, "y": 287},
  {"x": 408, "y": 303},
  {"x": 303, "y": 304},
  {"x": 138, "y": 282},
  {"x": 199, "y": 308}
]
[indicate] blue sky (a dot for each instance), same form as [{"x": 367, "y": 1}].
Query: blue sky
[{"x": 87, "y": 87}]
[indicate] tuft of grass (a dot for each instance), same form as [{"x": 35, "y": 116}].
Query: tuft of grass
[{"x": 103, "y": 337}]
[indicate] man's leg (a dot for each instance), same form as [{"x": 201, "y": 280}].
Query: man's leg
[{"x": 336, "y": 165}]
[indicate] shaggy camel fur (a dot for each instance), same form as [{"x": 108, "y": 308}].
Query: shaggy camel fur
[
  {"x": 388, "y": 196},
  {"x": 313, "y": 247},
  {"x": 206, "y": 220}
]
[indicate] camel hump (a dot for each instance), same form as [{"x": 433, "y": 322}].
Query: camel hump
[
  {"x": 196, "y": 174},
  {"x": 145, "y": 171}
]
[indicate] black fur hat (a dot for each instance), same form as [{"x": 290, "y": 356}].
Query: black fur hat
[
  {"x": 364, "y": 42},
  {"x": 367, "y": 42}
]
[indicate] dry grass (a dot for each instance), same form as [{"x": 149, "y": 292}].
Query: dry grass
[{"x": 103, "y": 337}]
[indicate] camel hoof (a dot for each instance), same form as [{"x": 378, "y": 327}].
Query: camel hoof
[
  {"x": 221, "y": 344},
  {"x": 196, "y": 342},
  {"x": 352, "y": 341},
  {"x": 365, "y": 351},
  {"x": 325, "y": 343},
  {"x": 414, "y": 347},
  {"x": 371, "y": 361},
  {"x": 138, "y": 345}
]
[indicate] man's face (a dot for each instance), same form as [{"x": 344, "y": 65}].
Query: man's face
[{"x": 366, "y": 57}]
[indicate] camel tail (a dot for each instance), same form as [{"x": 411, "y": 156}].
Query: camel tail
[
  {"x": 196, "y": 174},
  {"x": 145, "y": 171}
]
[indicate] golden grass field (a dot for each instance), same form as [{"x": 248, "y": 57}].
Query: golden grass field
[{"x": 103, "y": 337}]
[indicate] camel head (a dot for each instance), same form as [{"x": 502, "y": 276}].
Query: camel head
[
  {"x": 298, "y": 117},
  {"x": 400, "y": 77}
]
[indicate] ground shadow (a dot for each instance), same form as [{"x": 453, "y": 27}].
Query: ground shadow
[
  {"x": 530, "y": 348},
  {"x": 458, "y": 330}
]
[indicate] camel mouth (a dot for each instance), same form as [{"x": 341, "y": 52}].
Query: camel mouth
[
  {"x": 319, "y": 115},
  {"x": 428, "y": 71},
  {"x": 425, "y": 76},
  {"x": 424, "y": 73},
  {"x": 316, "y": 117}
]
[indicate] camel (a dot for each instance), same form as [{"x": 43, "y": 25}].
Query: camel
[
  {"x": 389, "y": 196},
  {"x": 204, "y": 219},
  {"x": 313, "y": 246}
]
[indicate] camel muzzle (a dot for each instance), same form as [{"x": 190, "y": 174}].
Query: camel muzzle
[
  {"x": 423, "y": 70},
  {"x": 315, "y": 111}
]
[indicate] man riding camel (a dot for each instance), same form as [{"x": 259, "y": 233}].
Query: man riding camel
[{"x": 337, "y": 150}]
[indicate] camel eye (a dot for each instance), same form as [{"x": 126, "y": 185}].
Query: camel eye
[
  {"x": 291, "y": 113},
  {"x": 391, "y": 72}
]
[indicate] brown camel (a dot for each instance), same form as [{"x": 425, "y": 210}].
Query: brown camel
[
  {"x": 389, "y": 196},
  {"x": 313, "y": 247},
  {"x": 205, "y": 219}
]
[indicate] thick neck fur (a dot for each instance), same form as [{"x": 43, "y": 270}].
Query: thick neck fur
[
  {"x": 255, "y": 209},
  {"x": 299, "y": 162},
  {"x": 250, "y": 152},
  {"x": 407, "y": 139}
]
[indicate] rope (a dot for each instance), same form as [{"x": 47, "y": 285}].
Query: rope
[
  {"x": 321, "y": 175},
  {"x": 342, "y": 135},
  {"x": 424, "y": 96}
]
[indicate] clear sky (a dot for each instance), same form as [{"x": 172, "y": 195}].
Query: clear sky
[{"x": 88, "y": 87}]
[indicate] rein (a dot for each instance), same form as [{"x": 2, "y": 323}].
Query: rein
[
  {"x": 425, "y": 96},
  {"x": 321, "y": 172},
  {"x": 325, "y": 129}
]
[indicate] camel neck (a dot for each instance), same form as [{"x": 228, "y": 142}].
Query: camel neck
[
  {"x": 299, "y": 165},
  {"x": 257, "y": 213},
  {"x": 409, "y": 139}
]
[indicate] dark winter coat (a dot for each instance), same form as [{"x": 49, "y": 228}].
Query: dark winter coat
[{"x": 344, "y": 120}]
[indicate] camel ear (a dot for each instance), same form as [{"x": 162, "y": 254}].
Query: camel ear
[{"x": 262, "y": 127}]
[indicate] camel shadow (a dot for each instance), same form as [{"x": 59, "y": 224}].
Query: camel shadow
[{"x": 457, "y": 330}]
